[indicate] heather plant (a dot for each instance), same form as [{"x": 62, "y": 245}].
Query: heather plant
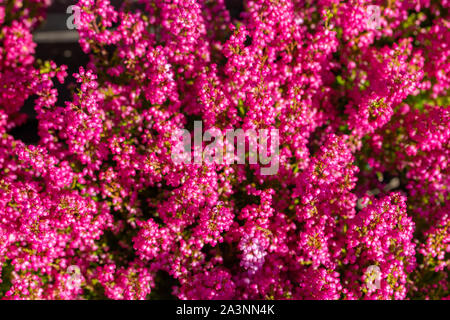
[{"x": 98, "y": 208}]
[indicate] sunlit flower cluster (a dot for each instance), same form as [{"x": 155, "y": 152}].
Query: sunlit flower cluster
[{"x": 356, "y": 108}]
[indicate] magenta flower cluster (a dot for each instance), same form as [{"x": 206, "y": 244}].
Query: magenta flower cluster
[{"x": 364, "y": 125}]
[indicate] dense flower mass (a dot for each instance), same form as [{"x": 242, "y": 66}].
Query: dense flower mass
[{"x": 98, "y": 208}]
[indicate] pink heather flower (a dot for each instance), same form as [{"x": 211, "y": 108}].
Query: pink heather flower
[{"x": 363, "y": 182}]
